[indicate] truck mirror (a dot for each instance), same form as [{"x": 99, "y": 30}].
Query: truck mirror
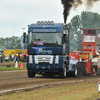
[
  {"x": 24, "y": 35},
  {"x": 65, "y": 39}
]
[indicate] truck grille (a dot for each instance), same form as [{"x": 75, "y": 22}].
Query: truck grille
[
  {"x": 43, "y": 58},
  {"x": 43, "y": 64}
]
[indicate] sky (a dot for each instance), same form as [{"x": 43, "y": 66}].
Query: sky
[{"x": 17, "y": 14}]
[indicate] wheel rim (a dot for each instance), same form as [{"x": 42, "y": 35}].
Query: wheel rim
[
  {"x": 76, "y": 72},
  {"x": 65, "y": 72}
]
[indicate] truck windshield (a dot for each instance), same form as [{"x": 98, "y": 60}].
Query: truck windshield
[
  {"x": 45, "y": 38},
  {"x": 89, "y": 38}
]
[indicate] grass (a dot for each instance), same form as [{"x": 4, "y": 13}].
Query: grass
[
  {"x": 10, "y": 68},
  {"x": 73, "y": 91},
  {"x": 7, "y": 61}
]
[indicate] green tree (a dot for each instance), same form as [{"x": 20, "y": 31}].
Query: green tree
[
  {"x": 10, "y": 43},
  {"x": 85, "y": 20}
]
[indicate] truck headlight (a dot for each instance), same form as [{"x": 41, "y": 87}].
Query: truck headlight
[
  {"x": 30, "y": 59},
  {"x": 56, "y": 59}
]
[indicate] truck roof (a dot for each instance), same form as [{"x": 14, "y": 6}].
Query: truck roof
[{"x": 56, "y": 27}]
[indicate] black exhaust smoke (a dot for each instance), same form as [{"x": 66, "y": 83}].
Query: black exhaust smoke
[{"x": 68, "y": 4}]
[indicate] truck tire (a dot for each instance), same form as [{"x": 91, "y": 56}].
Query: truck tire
[
  {"x": 74, "y": 73},
  {"x": 31, "y": 74},
  {"x": 62, "y": 73},
  {"x": 81, "y": 69}
]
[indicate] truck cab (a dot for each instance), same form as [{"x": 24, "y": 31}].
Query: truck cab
[
  {"x": 48, "y": 47},
  {"x": 89, "y": 41}
]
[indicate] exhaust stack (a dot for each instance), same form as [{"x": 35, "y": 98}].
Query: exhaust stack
[{"x": 68, "y": 4}]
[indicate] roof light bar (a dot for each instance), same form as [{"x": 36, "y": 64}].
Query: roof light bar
[
  {"x": 45, "y": 22},
  {"x": 42, "y": 22},
  {"x": 52, "y": 22},
  {"x": 38, "y": 22}
]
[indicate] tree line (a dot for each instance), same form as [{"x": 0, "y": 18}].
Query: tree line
[{"x": 10, "y": 43}]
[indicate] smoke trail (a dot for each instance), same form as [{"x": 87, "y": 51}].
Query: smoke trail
[{"x": 68, "y": 4}]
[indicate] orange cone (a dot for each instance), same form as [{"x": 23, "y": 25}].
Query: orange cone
[{"x": 21, "y": 67}]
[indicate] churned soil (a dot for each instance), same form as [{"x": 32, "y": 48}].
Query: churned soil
[{"x": 12, "y": 81}]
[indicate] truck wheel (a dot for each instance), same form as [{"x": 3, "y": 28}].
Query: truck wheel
[
  {"x": 81, "y": 69},
  {"x": 31, "y": 74},
  {"x": 62, "y": 73},
  {"x": 75, "y": 72}
]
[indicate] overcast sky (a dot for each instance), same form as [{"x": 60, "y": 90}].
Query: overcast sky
[{"x": 17, "y": 14}]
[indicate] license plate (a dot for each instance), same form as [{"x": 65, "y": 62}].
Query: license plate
[{"x": 43, "y": 67}]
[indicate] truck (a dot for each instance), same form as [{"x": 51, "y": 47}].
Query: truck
[
  {"x": 87, "y": 61},
  {"x": 48, "y": 49}
]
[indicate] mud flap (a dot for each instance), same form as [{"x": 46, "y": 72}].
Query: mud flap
[{"x": 81, "y": 69}]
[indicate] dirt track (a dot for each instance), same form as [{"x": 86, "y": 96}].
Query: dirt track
[{"x": 18, "y": 79}]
